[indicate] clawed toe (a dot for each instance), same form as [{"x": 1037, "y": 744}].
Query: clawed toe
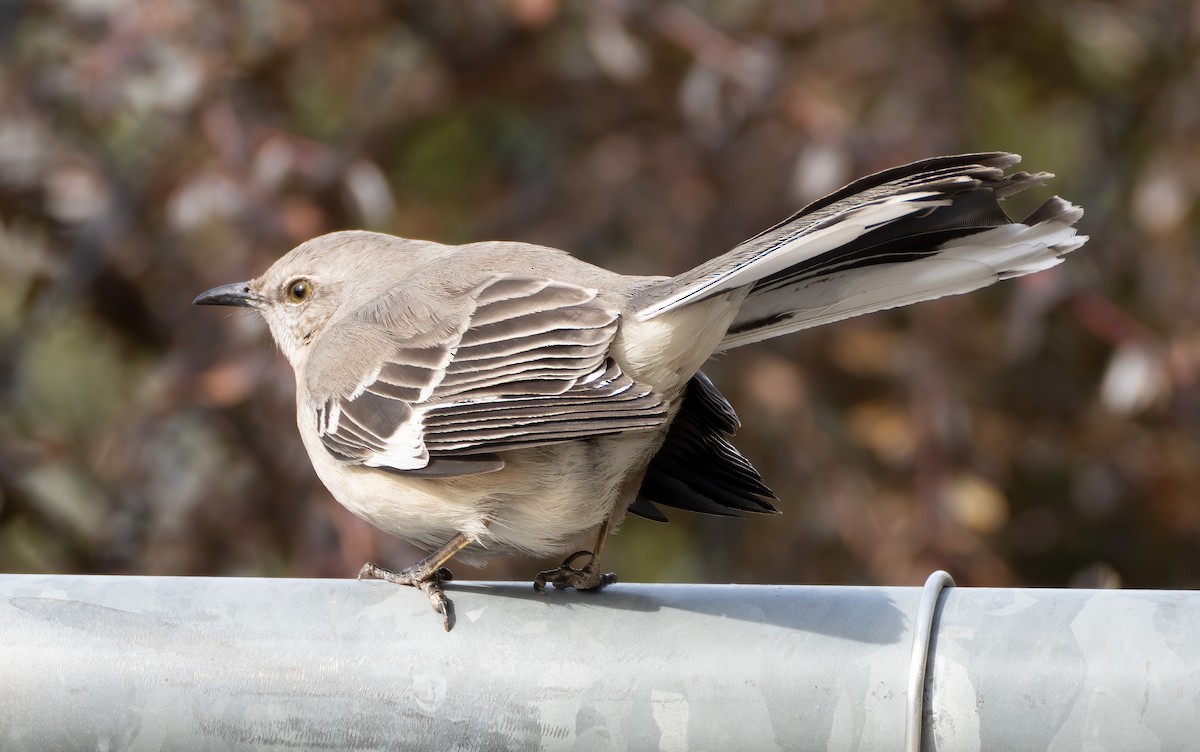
[
  {"x": 566, "y": 575},
  {"x": 438, "y": 600},
  {"x": 416, "y": 576}
]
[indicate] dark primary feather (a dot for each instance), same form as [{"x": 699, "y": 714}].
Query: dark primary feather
[
  {"x": 697, "y": 469},
  {"x": 973, "y": 208},
  {"x": 937, "y": 172},
  {"x": 528, "y": 367}
]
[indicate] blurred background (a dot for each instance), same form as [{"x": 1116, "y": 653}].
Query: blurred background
[{"x": 1043, "y": 432}]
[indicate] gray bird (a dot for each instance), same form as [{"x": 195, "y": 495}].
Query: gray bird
[{"x": 502, "y": 397}]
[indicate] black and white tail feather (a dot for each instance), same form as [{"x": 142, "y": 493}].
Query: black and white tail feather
[
  {"x": 904, "y": 235},
  {"x": 912, "y": 233}
]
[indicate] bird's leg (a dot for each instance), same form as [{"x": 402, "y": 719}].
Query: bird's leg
[
  {"x": 588, "y": 577},
  {"x": 428, "y": 574}
]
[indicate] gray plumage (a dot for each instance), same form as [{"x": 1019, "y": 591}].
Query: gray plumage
[{"x": 521, "y": 398}]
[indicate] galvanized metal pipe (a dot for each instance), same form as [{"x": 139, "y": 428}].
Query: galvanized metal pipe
[{"x": 196, "y": 663}]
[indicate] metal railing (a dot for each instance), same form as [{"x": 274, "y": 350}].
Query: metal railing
[{"x": 202, "y": 663}]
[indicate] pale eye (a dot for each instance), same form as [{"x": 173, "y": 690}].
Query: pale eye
[{"x": 299, "y": 290}]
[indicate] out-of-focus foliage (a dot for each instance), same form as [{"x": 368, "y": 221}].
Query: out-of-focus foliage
[{"x": 1043, "y": 431}]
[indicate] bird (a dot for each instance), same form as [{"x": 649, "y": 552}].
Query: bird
[{"x": 503, "y": 397}]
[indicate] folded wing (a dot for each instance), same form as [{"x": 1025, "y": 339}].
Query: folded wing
[{"x": 526, "y": 365}]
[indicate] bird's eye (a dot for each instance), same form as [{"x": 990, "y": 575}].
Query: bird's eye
[{"x": 298, "y": 290}]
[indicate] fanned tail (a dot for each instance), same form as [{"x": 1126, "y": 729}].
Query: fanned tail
[{"x": 908, "y": 234}]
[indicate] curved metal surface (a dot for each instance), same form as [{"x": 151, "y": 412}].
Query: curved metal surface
[
  {"x": 194, "y": 663},
  {"x": 1063, "y": 670}
]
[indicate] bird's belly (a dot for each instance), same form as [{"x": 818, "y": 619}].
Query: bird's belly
[{"x": 540, "y": 503}]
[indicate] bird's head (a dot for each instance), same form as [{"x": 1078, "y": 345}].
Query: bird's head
[{"x": 320, "y": 281}]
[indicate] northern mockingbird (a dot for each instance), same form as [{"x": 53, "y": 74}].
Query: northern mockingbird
[{"x": 502, "y": 397}]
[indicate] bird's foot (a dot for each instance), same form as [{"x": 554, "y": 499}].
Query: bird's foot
[
  {"x": 589, "y": 577},
  {"x": 428, "y": 580}
]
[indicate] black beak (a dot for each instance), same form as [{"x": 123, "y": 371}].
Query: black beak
[{"x": 236, "y": 294}]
